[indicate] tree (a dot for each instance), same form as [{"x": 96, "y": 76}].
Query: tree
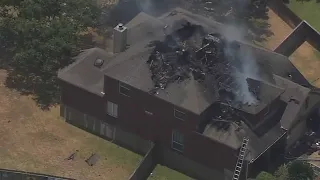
[
  {"x": 42, "y": 35},
  {"x": 265, "y": 176},
  {"x": 299, "y": 170},
  {"x": 296, "y": 170},
  {"x": 282, "y": 173},
  {"x": 250, "y": 15}
]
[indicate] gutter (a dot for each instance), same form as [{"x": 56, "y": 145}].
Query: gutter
[{"x": 252, "y": 160}]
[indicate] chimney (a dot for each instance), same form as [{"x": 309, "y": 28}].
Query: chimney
[{"x": 119, "y": 38}]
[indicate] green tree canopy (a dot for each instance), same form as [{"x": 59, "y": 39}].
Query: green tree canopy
[
  {"x": 282, "y": 173},
  {"x": 296, "y": 170},
  {"x": 265, "y": 176},
  {"x": 299, "y": 170},
  {"x": 42, "y": 36}
]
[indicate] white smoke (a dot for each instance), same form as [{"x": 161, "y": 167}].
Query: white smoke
[
  {"x": 233, "y": 32},
  {"x": 248, "y": 66}
]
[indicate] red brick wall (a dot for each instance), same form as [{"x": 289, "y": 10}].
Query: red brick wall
[
  {"x": 209, "y": 152},
  {"x": 132, "y": 116}
]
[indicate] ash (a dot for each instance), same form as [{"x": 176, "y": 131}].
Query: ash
[{"x": 210, "y": 59}]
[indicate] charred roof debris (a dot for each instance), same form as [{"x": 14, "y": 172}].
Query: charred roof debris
[{"x": 210, "y": 59}]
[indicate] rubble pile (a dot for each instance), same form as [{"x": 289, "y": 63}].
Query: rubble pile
[{"x": 181, "y": 56}]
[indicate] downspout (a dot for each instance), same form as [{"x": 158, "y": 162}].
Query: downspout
[{"x": 247, "y": 169}]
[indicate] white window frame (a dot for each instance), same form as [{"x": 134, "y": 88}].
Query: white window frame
[
  {"x": 125, "y": 86},
  {"x": 179, "y": 134},
  {"x": 114, "y": 110},
  {"x": 174, "y": 113}
]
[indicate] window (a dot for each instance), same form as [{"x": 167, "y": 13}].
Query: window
[
  {"x": 85, "y": 120},
  {"x": 179, "y": 114},
  {"x": 177, "y": 141},
  {"x": 124, "y": 89},
  {"x": 112, "y": 109},
  {"x": 69, "y": 115}
]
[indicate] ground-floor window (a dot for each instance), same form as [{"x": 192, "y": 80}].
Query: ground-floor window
[
  {"x": 177, "y": 141},
  {"x": 85, "y": 120},
  {"x": 107, "y": 130}
]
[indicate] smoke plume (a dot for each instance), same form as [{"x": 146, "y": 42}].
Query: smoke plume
[{"x": 247, "y": 68}]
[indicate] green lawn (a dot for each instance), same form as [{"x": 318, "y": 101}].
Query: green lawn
[
  {"x": 307, "y": 10},
  {"x": 164, "y": 173}
]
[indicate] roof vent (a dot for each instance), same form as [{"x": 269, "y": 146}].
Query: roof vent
[{"x": 98, "y": 63}]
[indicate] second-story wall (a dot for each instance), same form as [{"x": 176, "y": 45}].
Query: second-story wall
[
  {"x": 147, "y": 115},
  {"x": 150, "y": 118},
  {"x": 153, "y": 119}
]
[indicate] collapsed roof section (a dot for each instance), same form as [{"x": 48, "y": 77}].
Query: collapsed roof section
[{"x": 214, "y": 63}]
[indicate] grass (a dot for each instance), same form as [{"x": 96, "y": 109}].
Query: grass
[
  {"x": 306, "y": 59},
  {"x": 307, "y": 10},
  {"x": 164, "y": 173},
  {"x": 39, "y": 141}
]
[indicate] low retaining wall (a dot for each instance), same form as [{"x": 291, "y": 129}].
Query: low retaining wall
[
  {"x": 146, "y": 166},
  {"x": 6, "y": 174},
  {"x": 284, "y": 13},
  {"x": 302, "y": 30},
  {"x": 293, "y": 41}
]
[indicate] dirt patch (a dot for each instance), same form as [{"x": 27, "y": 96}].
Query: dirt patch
[
  {"x": 39, "y": 141},
  {"x": 303, "y": 58}
]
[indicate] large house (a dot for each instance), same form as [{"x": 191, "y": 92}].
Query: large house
[{"x": 127, "y": 96}]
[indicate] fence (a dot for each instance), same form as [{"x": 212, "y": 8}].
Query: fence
[
  {"x": 284, "y": 13},
  {"x": 6, "y": 174},
  {"x": 146, "y": 166}
]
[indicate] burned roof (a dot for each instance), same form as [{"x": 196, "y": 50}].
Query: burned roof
[
  {"x": 188, "y": 89},
  {"x": 131, "y": 67}
]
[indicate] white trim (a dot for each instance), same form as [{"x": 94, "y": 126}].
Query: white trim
[
  {"x": 123, "y": 85},
  {"x": 252, "y": 160},
  {"x": 174, "y": 113},
  {"x": 148, "y": 112},
  {"x": 176, "y": 149},
  {"x": 114, "y": 112}
]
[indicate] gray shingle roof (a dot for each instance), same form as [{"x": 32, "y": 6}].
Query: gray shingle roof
[{"x": 130, "y": 67}]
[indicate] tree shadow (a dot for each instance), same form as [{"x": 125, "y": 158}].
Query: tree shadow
[
  {"x": 42, "y": 86},
  {"x": 44, "y": 92}
]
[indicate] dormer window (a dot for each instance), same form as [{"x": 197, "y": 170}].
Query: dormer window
[{"x": 124, "y": 89}]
